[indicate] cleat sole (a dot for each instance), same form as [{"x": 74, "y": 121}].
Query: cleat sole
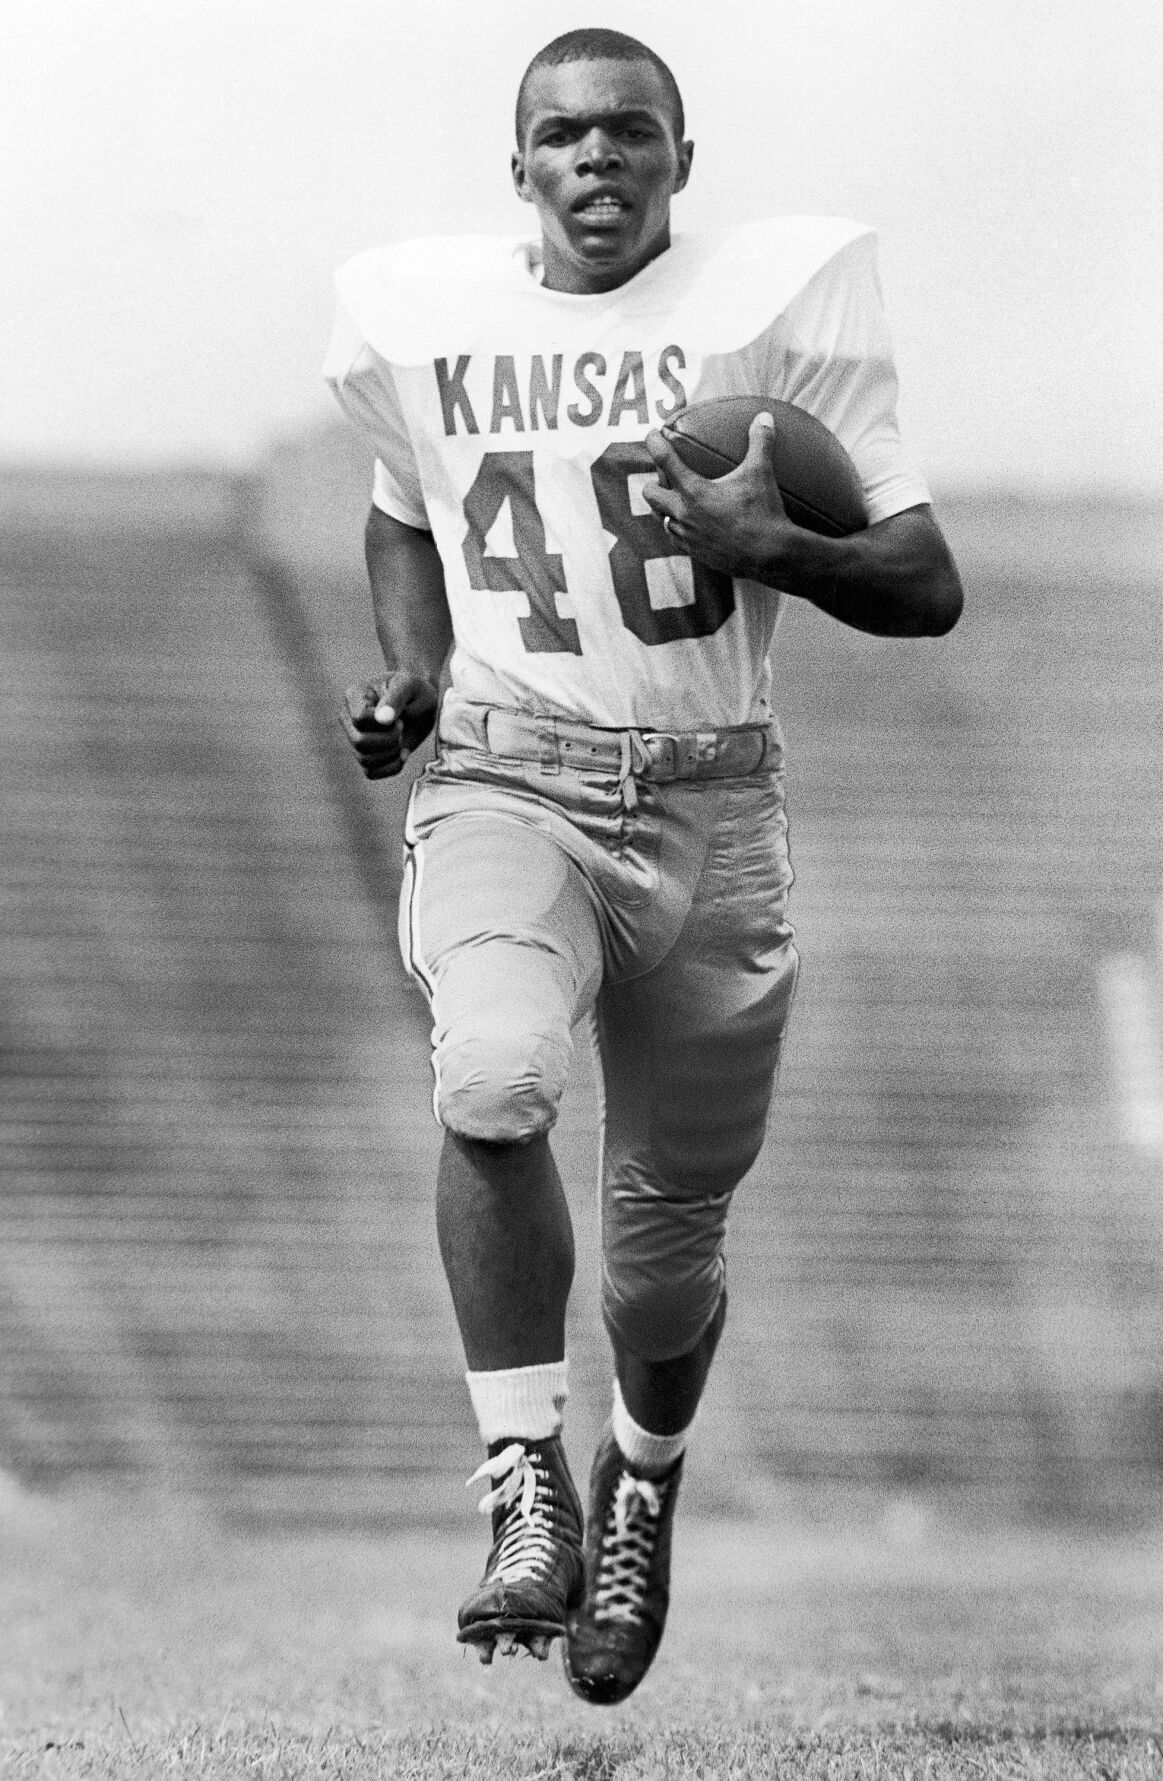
[{"x": 509, "y": 1637}]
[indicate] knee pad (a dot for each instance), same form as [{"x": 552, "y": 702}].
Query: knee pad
[
  {"x": 659, "y": 1316},
  {"x": 500, "y": 1087}
]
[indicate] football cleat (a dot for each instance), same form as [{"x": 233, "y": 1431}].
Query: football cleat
[
  {"x": 534, "y": 1572},
  {"x": 614, "y": 1634}
]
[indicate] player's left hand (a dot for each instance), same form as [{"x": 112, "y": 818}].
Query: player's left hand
[{"x": 733, "y": 523}]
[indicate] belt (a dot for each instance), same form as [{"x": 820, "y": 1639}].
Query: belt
[{"x": 733, "y": 752}]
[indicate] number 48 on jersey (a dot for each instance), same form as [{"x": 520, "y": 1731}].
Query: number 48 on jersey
[{"x": 539, "y": 573}]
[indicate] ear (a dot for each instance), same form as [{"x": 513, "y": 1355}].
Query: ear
[
  {"x": 520, "y": 182},
  {"x": 686, "y": 154}
]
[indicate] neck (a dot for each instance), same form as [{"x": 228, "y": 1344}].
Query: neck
[{"x": 581, "y": 278}]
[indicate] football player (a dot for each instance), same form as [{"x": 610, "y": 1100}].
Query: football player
[{"x": 601, "y": 837}]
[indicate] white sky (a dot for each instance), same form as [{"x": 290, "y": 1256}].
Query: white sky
[{"x": 178, "y": 181}]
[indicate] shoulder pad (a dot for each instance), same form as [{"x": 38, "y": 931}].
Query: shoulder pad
[
  {"x": 719, "y": 291},
  {"x": 726, "y": 289}
]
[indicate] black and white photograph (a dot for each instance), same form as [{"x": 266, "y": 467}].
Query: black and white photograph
[{"x": 581, "y": 1193}]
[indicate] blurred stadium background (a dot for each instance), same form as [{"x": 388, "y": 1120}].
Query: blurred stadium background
[{"x": 218, "y": 1270}]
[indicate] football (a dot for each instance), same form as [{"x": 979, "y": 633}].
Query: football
[{"x": 816, "y": 477}]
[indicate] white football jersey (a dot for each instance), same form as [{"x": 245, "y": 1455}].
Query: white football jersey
[{"x": 509, "y": 420}]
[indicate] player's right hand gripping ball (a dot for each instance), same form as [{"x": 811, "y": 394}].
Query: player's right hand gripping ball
[{"x": 387, "y": 720}]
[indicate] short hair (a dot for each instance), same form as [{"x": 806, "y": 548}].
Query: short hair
[{"x": 596, "y": 44}]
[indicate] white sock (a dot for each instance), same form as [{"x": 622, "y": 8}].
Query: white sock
[
  {"x": 651, "y": 1455},
  {"x": 522, "y": 1402}
]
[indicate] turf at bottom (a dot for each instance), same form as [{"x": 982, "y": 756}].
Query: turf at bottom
[{"x": 136, "y": 1640}]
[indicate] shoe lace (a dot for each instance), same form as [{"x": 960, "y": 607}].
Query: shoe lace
[
  {"x": 628, "y": 1545},
  {"x": 524, "y": 1543}
]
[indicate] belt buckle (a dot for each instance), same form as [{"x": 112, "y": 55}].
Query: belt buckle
[{"x": 664, "y": 752}]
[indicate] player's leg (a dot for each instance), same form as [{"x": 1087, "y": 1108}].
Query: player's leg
[
  {"x": 663, "y": 1395},
  {"x": 506, "y": 1241},
  {"x": 690, "y": 1053},
  {"x": 689, "y": 1057},
  {"x": 497, "y": 926}
]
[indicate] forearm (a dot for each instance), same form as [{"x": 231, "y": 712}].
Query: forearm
[
  {"x": 895, "y": 579},
  {"x": 408, "y": 596}
]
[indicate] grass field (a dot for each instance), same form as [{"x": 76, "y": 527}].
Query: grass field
[{"x": 139, "y": 1641}]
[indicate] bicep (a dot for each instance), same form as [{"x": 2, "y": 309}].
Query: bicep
[
  {"x": 914, "y": 529},
  {"x": 406, "y": 575},
  {"x": 396, "y": 551}
]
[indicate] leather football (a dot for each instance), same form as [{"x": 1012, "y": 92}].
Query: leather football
[{"x": 817, "y": 479}]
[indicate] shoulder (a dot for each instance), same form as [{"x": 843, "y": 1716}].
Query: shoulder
[
  {"x": 727, "y": 288},
  {"x": 404, "y": 295}
]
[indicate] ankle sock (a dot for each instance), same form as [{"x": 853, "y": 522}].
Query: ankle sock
[
  {"x": 522, "y": 1402},
  {"x": 650, "y": 1455}
]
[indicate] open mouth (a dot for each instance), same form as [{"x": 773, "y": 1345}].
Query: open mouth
[{"x": 601, "y": 207}]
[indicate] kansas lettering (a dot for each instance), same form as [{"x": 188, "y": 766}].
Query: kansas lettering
[{"x": 528, "y": 394}]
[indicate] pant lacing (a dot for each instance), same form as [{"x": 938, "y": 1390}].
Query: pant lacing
[
  {"x": 628, "y": 1546},
  {"x": 635, "y": 759},
  {"x": 524, "y": 1545}
]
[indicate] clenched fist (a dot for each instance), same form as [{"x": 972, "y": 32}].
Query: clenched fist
[{"x": 386, "y": 720}]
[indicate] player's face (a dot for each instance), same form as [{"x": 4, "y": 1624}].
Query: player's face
[{"x": 601, "y": 163}]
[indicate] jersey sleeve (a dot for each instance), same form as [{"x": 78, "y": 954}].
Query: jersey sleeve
[
  {"x": 362, "y": 383},
  {"x": 838, "y": 364}
]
